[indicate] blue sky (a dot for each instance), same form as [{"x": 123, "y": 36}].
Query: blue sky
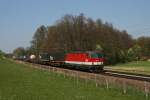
[{"x": 20, "y": 18}]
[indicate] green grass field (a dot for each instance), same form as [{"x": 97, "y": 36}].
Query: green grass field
[
  {"x": 142, "y": 67},
  {"x": 20, "y": 82}
]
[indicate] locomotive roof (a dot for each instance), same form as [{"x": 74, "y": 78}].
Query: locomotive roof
[
  {"x": 85, "y": 52},
  {"x": 71, "y": 52}
]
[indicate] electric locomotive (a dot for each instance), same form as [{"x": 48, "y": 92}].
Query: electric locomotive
[{"x": 85, "y": 60}]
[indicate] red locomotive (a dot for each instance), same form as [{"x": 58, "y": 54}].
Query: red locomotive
[{"x": 85, "y": 60}]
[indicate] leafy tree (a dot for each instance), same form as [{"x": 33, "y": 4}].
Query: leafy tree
[
  {"x": 134, "y": 53},
  {"x": 144, "y": 43},
  {"x": 131, "y": 55},
  {"x": 137, "y": 51},
  {"x": 38, "y": 40},
  {"x": 1, "y": 54},
  {"x": 99, "y": 47},
  {"x": 20, "y": 51}
]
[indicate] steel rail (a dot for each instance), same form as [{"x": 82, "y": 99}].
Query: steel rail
[{"x": 135, "y": 76}]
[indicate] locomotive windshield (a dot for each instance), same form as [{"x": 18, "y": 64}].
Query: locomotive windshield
[{"x": 96, "y": 55}]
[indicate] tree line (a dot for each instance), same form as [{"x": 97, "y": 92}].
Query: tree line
[
  {"x": 80, "y": 33},
  {"x": 1, "y": 54}
]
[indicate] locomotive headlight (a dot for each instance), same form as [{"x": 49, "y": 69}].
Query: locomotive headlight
[{"x": 86, "y": 60}]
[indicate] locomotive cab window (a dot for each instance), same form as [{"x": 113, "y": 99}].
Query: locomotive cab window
[{"x": 96, "y": 55}]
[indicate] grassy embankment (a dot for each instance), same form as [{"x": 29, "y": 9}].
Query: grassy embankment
[
  {"x": 20, "y": 82},
  {"x": 142, "y": 67}
]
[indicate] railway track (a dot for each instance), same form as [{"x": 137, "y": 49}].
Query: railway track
[
  {"x": 128, "y": 75},
  {"x": 106, "y": 72}
]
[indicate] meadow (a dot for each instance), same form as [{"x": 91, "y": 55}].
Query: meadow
[
  {"x": 142, "y": 67},
  {"x": 21, "y": 82}
]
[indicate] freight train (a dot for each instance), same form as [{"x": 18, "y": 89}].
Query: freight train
[{"x": 81, "y": 60}]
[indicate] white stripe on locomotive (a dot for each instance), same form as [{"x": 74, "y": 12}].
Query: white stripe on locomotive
[{"x": 84, "y": 63}]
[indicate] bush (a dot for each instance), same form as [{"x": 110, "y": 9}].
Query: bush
[{"x": 1, "y": 55}]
